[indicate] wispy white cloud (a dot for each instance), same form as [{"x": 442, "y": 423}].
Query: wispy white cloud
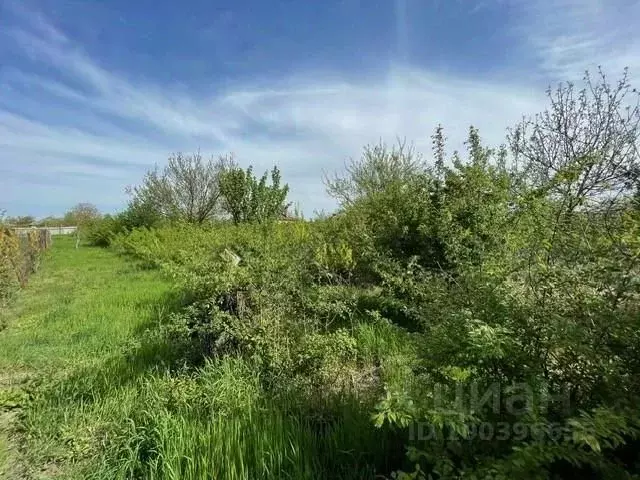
[
  {"x": 95, "y": 131},
  {"x": 568, "y": 37}
]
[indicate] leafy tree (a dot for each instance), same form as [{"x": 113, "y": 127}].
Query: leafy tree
[
  {"x": 81, "y": 214},
  {"x": 378, "y": 167},
  {"x": 248, "y": 199},
  {"x": 387, "y": 193},
  {"x": 413, "y": 210},
  {"x": 473, "y": 212},
  {"x": 187, "y": 188},
  {"x": 584, "y": 147},
  {"x": 140, "y": 212}
]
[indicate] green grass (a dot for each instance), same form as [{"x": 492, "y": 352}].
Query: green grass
[
  {"x": 103, "y": 397},
  {"x": 64, "y": 341},
  {"x": 78, "y": 310}
]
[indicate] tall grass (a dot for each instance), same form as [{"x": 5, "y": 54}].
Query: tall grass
[
  {"x": 107, "y": 399},
  {"x": 217, "y": 423}
]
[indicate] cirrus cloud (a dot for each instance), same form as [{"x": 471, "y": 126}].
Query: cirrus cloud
[{"x": 71, "y": 130}]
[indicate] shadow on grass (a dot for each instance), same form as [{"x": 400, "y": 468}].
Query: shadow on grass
[{"x": 335, "y": 440}]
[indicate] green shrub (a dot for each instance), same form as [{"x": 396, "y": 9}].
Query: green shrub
[
  {"x": 100, "y": 232},
  {"x": 433, "y": 285}
]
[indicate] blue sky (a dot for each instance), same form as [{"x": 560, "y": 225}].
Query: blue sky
[{"x": 93, "y": 93}]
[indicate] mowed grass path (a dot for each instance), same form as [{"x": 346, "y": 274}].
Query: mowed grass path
[{"x": 66, "y": 341}]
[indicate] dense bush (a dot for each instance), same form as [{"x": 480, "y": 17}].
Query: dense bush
[
  {"x": 484, "y": 310},
  {"x": 100, "y": 232}
]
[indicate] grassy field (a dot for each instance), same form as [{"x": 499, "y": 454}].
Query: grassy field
[
  {"x": 89, "y": 389},
  {"x": 61, "y": 356}
]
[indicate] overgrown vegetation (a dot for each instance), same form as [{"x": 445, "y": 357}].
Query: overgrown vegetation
[
  {"x": 473, "y": 316},
  {"x": 20, "y": 256}
]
